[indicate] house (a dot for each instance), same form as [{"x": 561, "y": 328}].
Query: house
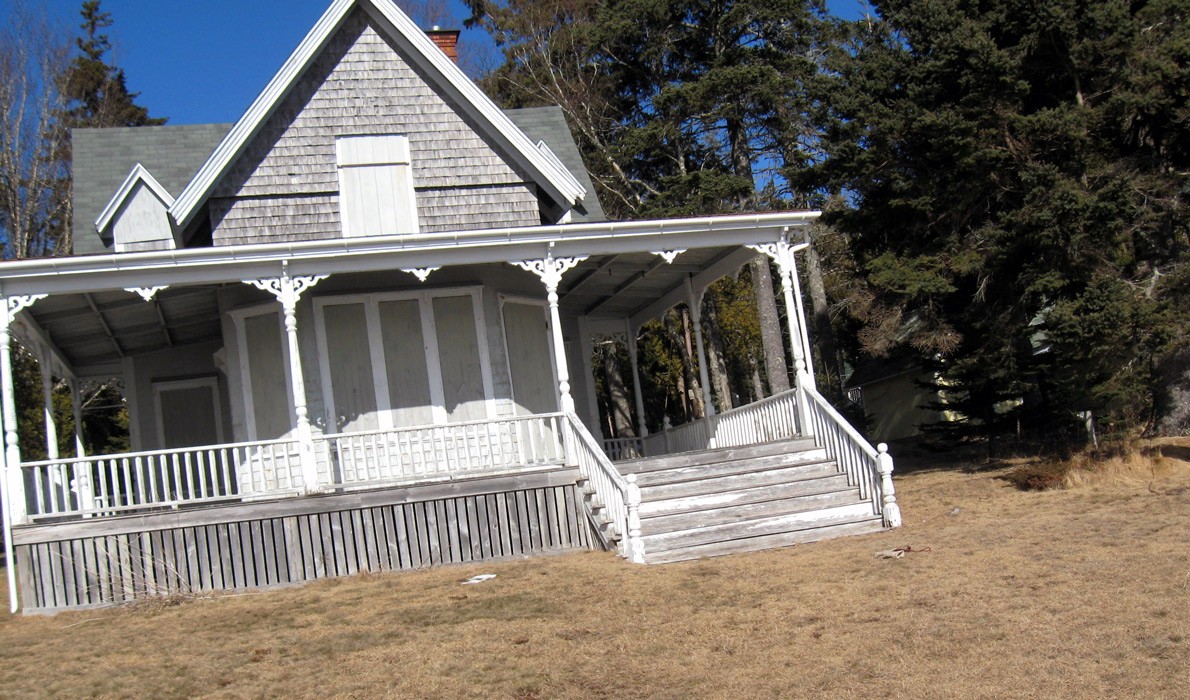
[{"x": 353, "y": 331}]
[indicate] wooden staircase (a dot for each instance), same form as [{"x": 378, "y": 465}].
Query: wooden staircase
[{"x": 740, "y": 499}]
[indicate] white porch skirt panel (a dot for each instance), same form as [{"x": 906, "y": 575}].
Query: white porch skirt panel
[{"x": 265, "y": 545}]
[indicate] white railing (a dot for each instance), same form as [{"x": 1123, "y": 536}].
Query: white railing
[
  {"x": 867, "y": 467},
  {"x": 616, "y": 496},
  {"x": 439, "y": 451},
  {"x": 766, "y": 420},
  {"x": 619, "y": 449},
  {"x": 115, "y": 484}
]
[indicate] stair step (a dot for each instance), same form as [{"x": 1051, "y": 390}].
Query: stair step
[
  {"x": 719, "y": 454},
  {"x": 822, "y": 483},
  {"x": 705, "y": 517},
  {"x": 757, "y": 527},
  {"x": 732, "y": 482},
  {"x": 784, "y": 539},
  {"x": 735, "y": 466}
]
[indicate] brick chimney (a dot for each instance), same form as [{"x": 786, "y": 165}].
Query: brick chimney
[{"x": 447, "y": 40}]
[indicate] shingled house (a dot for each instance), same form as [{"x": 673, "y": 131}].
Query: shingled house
[{"x": 353, "y": 330}]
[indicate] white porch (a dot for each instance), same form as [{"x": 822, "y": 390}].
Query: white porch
[{"x": 345, "y": 428}]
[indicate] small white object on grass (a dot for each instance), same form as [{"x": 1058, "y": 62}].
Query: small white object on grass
[
  {"x": 478, "y": 578},
  {"x": 891, "y": 554}
]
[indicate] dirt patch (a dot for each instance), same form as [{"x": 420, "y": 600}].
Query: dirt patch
[{"x": 1081, "y": 592}]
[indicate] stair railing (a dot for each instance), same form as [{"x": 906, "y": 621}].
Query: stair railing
[
  {"x": 618, "y": 495},
  {"x": 869, "y": 468}
]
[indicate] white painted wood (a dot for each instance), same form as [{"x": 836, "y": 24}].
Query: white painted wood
[
  {"x": 187, "y": 412},
  {"x": 376, "y": 194},
  {"x": 694, "y": 302},
  {"x": 139, "y": 210},
  {"x": 404, "y": 349},
  {"x": 462, "y": 344},
  {"x": 262, "y": 359},
  {"x": 352, "y": 391},
  {"x": 89, "y": 273},
  {"x": 527, "y": 339}
]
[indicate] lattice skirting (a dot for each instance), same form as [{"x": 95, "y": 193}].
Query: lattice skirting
[{"x": 261, "y": 545}]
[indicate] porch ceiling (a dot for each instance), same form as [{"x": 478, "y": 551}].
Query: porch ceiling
[
  {"x": 621, "y": 286},
  {"x": 102, "y": 327},
  {"x": 92, "y": 322}
]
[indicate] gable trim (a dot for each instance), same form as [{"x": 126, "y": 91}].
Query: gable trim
[
  {"x": 138, "y": 174},
  {"x": 548, "y": 171}
]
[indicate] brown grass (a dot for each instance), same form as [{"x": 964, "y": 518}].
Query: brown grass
[
  {"x": 1077, "y": 593},
  {"x": 1123, "y": 464}
]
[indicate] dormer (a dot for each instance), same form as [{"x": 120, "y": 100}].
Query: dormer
[{"x": 137, "y": 216}]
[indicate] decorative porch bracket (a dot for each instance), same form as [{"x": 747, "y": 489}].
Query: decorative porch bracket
[
  {"x": 421, "y": 273},
  {"x": 288, "y": 291},
  {"x": 13, "y": 483},
  {"x": 146, "y": 293},
  {"x": 550, "y": 270}
]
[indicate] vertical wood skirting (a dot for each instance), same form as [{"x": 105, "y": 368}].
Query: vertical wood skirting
[{"x": 266, "y": 552}]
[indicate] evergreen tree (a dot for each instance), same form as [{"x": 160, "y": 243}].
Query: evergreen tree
[{"x": 1018, "y": 172}]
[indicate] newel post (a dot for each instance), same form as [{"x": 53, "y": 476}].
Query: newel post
[
  {"x": 892, "y": 511},
  {"x": 635, "y": 545},
  {"x": 550, "y": 270},
  {"x": 288, "y": 291}
]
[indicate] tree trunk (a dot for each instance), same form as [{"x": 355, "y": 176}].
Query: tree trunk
[
  {"x": 770, "y": 326},
  {"x": 690, "y": 367},
  {"x": 823, "y": 338},
  {"x": 717, "y": 363},
  {"x": 618, "y": 403}
]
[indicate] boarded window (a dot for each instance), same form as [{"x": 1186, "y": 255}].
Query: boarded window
[{"x": 375, "y": 185}]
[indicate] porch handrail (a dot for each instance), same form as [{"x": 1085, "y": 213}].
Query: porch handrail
[
  {"x": 131, "y": 481},
  {"x": 774, "y": 417},
  {"x": 869, "y": 468},
  {"x": 617, "y": 494},
  {"x": 384, "y": 456}
]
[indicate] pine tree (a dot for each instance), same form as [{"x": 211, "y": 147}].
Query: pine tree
[{"x": 1019, "y": 172}]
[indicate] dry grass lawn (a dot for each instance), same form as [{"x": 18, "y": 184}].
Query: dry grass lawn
[{"x": 1077, "y": 593}]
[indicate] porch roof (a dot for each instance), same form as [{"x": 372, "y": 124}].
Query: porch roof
[{"x": 93, "y": 317}]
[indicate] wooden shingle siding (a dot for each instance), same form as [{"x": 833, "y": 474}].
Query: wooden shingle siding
[
  {"x": 360, "y": 84},
  {"x": 98, "y": 562},
  {"x": 297, "y": 218},
  {"x": 457, "y": 208}
]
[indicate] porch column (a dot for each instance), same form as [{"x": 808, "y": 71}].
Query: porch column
[
  {"x": 47, "y": 397},
  {"x": 288, "y": 291},
  {"x": 13, "y": 482},
  {"x": 76, "y": 405},
  {"x": 642, "y": 431},
  {"x": 81, "y": 482},
  {"x": 694, "y": 301},
  {"x": 550, "y": 270},
  {"x": 782, "y": 253}
]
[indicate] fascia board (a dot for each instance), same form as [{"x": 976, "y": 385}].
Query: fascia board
[
  {"x": 184, "y": 209},
  {"x": 236, "y": 263},
  {"x": 138, "y": 174}
]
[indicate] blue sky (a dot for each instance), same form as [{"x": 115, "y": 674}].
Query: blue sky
[{"x": 201, "y": 61}]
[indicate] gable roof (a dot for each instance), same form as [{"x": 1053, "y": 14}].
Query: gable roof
[
  {"x": 547, "y": 171},
  {"x": 138, "y": 175},
  {"x": 548, "y": 125},
  {"x": 103, "y": 157}
]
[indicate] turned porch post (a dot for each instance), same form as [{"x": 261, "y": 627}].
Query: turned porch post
[
  {"x": 13, "y": 483},
  {"x": 47, "y": 397},
  {"x": 288, "y": 291},
  {"x": 550, "y": 270},
  {"x": 782, "y": 253}
]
